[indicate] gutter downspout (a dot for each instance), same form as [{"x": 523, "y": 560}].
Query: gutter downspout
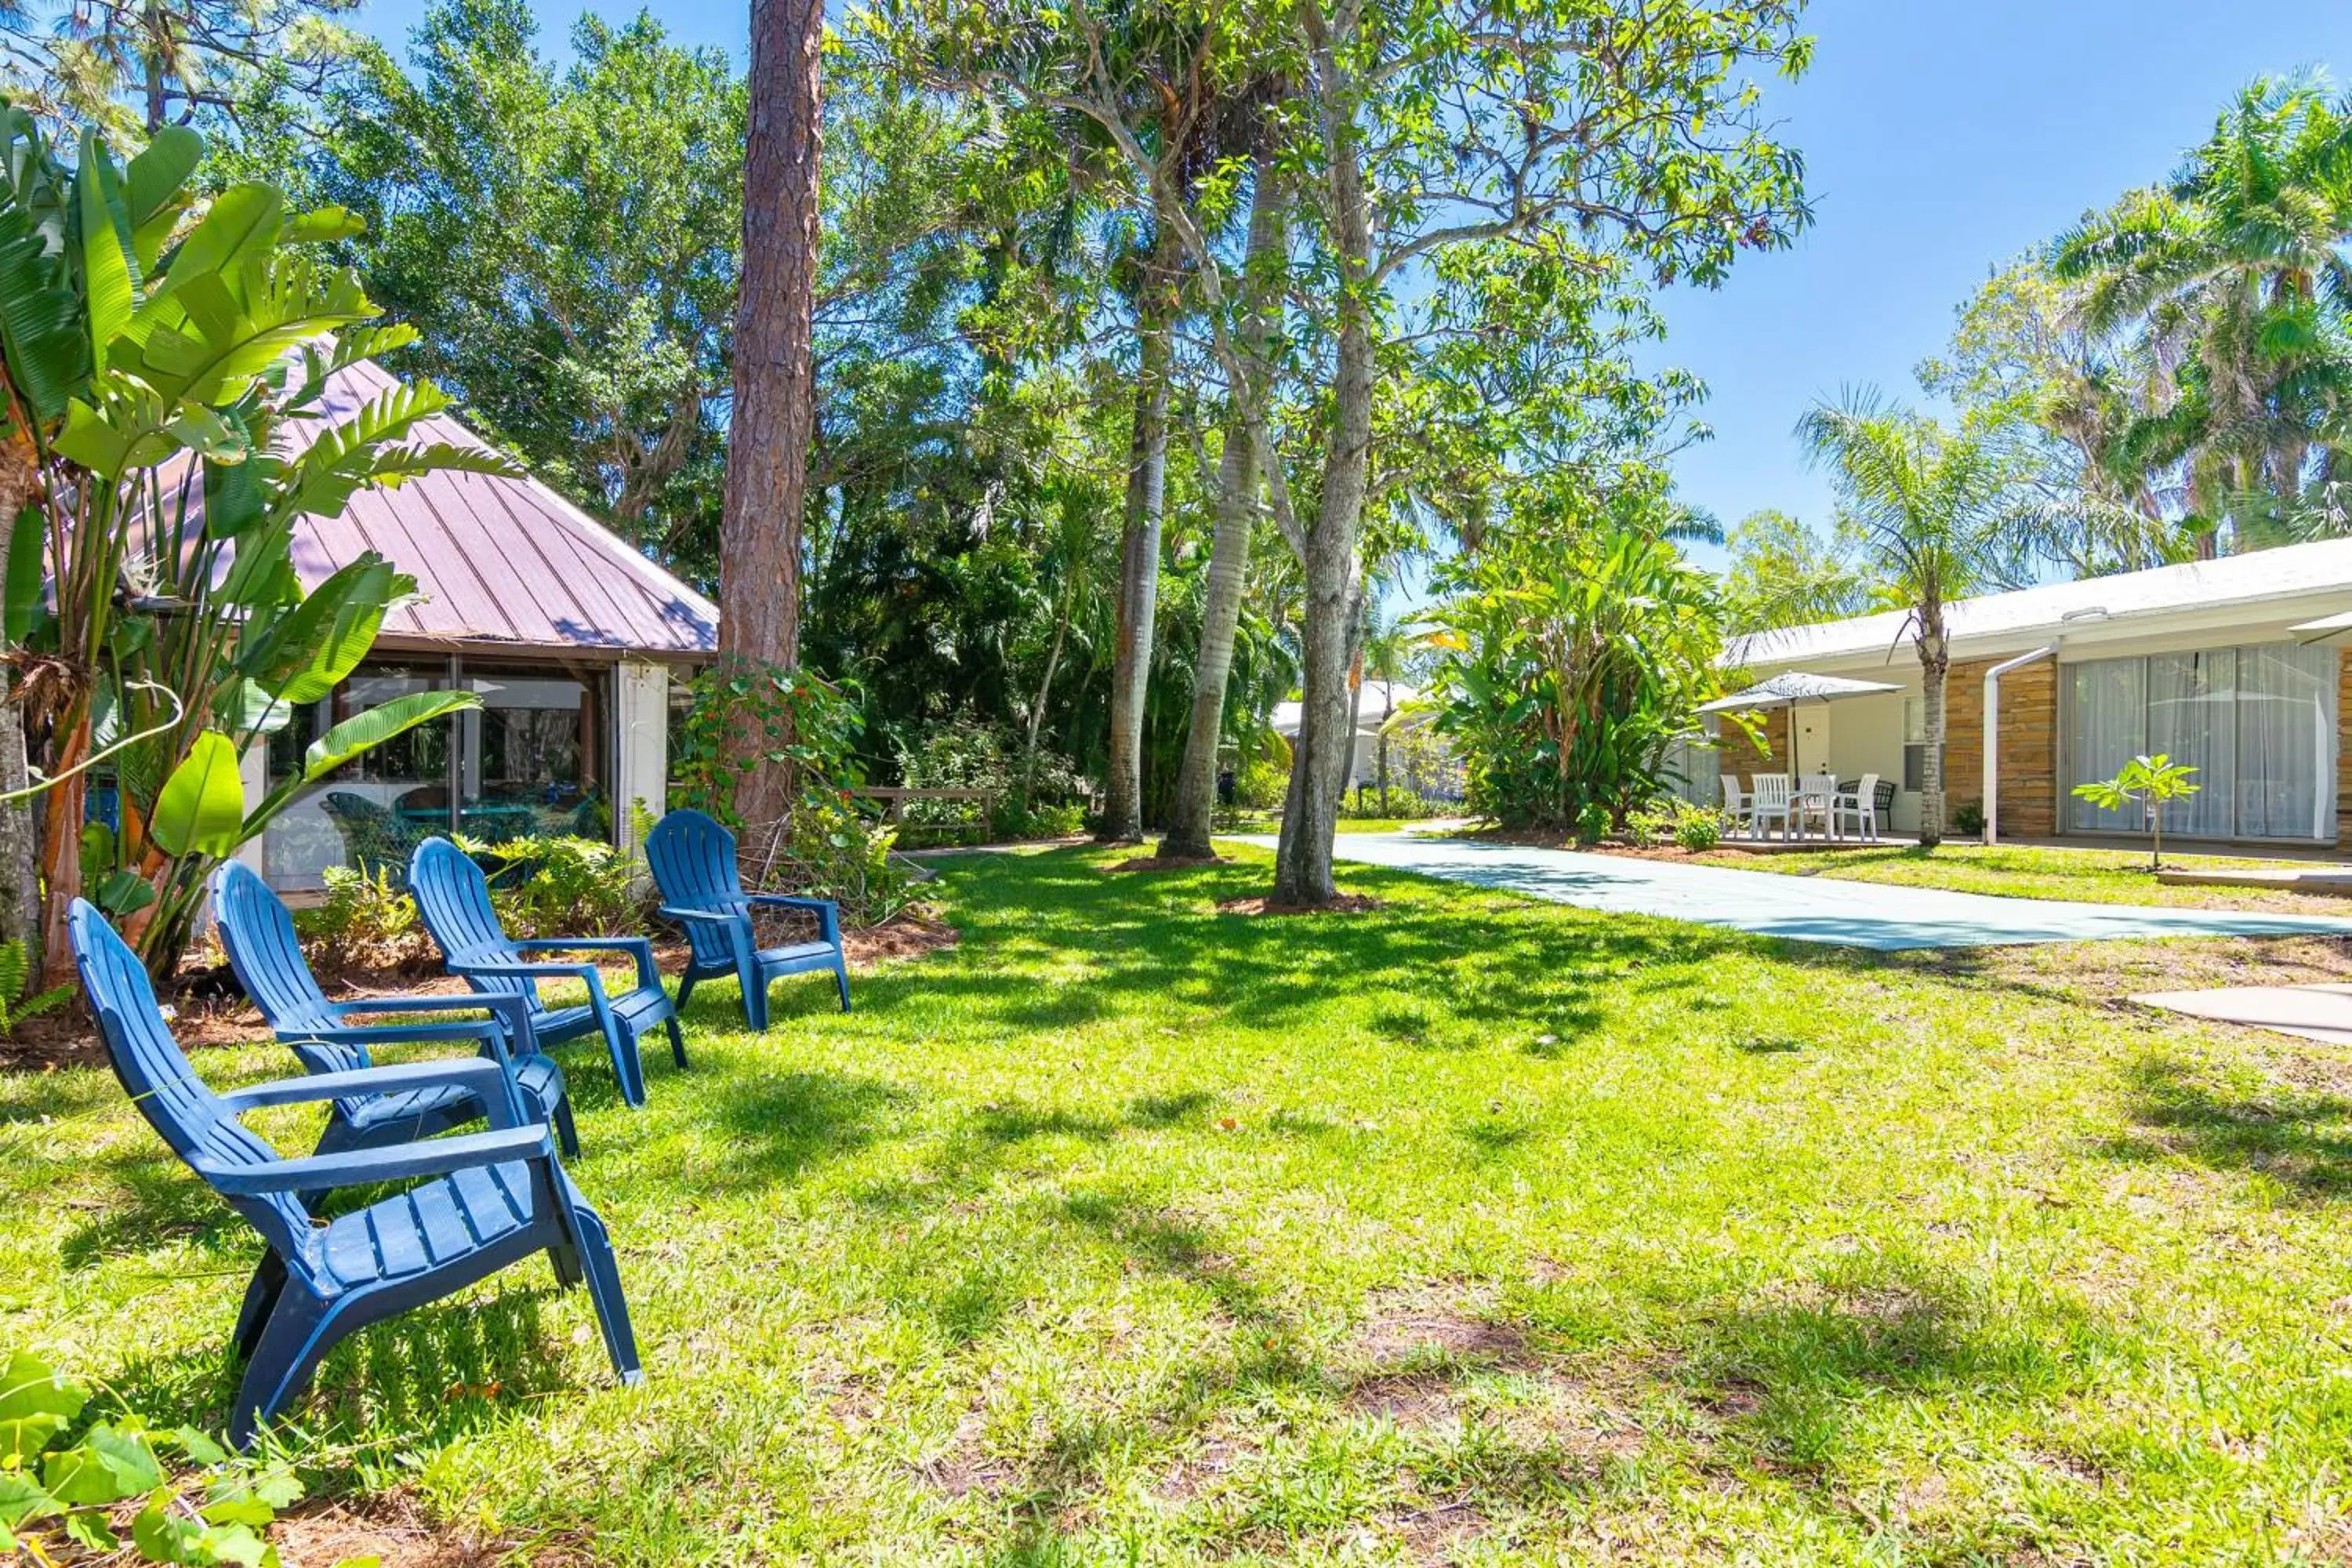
[{"x": 1992, "y": 734}]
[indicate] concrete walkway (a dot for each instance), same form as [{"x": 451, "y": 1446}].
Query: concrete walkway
[{"x": 1803, "y": 909}]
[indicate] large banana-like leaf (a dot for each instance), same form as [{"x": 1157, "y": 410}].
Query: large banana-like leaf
[
  {"x": 108, "y": 289},
  {"x": 216, "y": 330},
  {"x": 155, "y": 189},
  {"x": 201, "y": 808},
  {"x": 243, "y": 221},
  {"x": 353, "y": 455},
  {"x": 325, "y": 224},
  {"x": 364, "y": 731},
  {"x": 42, "y": 333},
  {"x": 122, "y": 425},
  {"x": 28, "y": 547},
  {"x": 303, "y": 655}
]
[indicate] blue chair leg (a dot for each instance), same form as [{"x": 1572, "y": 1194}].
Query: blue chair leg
[
  {"x": 567, "y": 1135},
  {"x": 841, "y": 977},
  {"x": 621, "y": 1041},
  {"x": 566, "y": 1260},
  {"x": 339, "y": 1136},
  {"x": 604, "y": 1289},
  {"x": 676, "y": 1040},
  {"x": 753, "y": 984},
  {"x": 685, "y": 986},
  {"x": 260, "y": 1301},
  {"x": 299, "y": 1330}
]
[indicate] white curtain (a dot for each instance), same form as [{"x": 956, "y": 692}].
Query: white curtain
[
  {"x": 2106, "y": 727},
  {"x": 2192, "y": 718},
  {"x": 2285, "y": 755}
]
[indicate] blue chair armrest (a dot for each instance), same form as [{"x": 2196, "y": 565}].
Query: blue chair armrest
[
  {"x": 427, "y": 1157},
  {"x": 508, "y": 1022},
  {"x": 473, "y": 1004},
  {"x": 827, "y": 911},
  {"x": 489, "y": 1080},
  {"x": 397, "y": 1034},
  {"x": 707, "y": 917},
  {"x": 638, "y": 947}
]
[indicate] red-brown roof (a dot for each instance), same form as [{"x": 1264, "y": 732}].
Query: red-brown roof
[{"x": 501, "y": 563}]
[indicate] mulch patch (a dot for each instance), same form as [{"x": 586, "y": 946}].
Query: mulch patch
[
  {"x": 1344, "y": 904},
  {"x": 1170, "y": 863},
  {"x": 393, "y": 1531}
]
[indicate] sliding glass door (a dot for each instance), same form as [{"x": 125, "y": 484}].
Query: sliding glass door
[{"x": 2257, "y": 723}]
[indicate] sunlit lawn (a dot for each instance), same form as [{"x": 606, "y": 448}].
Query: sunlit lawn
[
  {"x": 1468, "y": 1230},
  {"x": 2039, "y": 872}
]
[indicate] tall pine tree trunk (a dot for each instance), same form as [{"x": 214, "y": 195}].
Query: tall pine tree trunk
[
  {"x": 1139, "y": 564},
  {"x": 774, "y": 413}
]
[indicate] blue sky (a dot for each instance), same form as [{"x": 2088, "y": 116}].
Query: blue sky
[{"x": 1940, "y": 137}]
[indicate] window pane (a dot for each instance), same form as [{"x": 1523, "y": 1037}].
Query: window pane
[
  {"x": 2106, "y": 727},
  {"x": 2191, "y": 718},
  {"x": 2284, "y": 752},
  {"x": 371, "y": 811},
  {"x": 533, "y": 755}
]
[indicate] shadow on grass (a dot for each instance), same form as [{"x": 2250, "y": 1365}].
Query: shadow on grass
[
  {"x": 781, "y": 1125},
  {"x": 432, "y": 1375},
  {"x": 1792, "y": 1373},
  {"x": 2301, "y": 1139}
]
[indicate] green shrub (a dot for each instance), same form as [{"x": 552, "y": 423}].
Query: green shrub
[
  {"x": 366, "y": 923},
  {"x": 1592, "y": 823},
  {"x": 835, "y": 852},
  {"x": 1967, "y": 818},
  {"x": 561, "y": 886},
  {"x": 1670, "y": 820},
  {"x": 1061, "y": 820},
  {"x": 1699, "y": 828},
  {"x": 1260, "y": 784},
  {"x": 1401, "y": 805},
  {"x": 60, "y": 1479}
]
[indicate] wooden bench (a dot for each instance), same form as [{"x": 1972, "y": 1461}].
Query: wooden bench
[{"x": 894, "y": 810}]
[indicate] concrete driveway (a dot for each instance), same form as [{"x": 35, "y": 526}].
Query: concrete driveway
[{"x": 1803, "y": 909}]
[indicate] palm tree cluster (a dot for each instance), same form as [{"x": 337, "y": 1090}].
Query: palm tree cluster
[{"x": 2218, "y": 306}]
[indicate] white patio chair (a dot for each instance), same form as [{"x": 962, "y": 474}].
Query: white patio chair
[
  {"x": 1815, "y": 797},
  {"x": 1734, "y": 801},
  {"x": 1769, "y": 803},
  {"x": 1860, "y": 806}
]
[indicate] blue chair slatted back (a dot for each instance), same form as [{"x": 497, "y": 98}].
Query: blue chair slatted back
[
  {"x": 692, "y": 858},
  {"x": 155, "y": 1072},
  {"x": 454, "y": 897},
  {"x": 267, "y": 958}
]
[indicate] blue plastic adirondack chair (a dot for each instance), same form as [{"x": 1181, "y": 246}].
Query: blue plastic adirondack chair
[
  {"x": 694, "y": 865},
  {"x": 454, "y": 898},
  {"x": 259, "y": 936},
  {"x": 494, "y": 1198}
]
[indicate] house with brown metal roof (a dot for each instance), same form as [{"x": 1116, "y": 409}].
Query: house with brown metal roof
[{"x": 574, "y": 640}]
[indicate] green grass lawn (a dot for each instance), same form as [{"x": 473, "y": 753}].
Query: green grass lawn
[
  {"x": 1469, "y": 1230},
  {"x": 2037, "y": 871}
]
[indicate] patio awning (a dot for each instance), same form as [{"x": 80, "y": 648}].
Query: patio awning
[
  {"x": 2326, "y": 626},
  {"x": 1797, "y": 686}
]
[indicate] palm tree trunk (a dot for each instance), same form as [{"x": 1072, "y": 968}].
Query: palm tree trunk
[
  {"x": 1935, "y": 663},
  {"x": 1139, "y": 564},
  {"x": 774, "y": 414},
  {"x": 1236, "y": 500},
  {"x": 1044, "y": 690},
  {"x": 1334, "y": 571}
]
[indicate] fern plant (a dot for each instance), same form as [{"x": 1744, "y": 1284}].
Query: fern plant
[{"x": 15, "y": 974}]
